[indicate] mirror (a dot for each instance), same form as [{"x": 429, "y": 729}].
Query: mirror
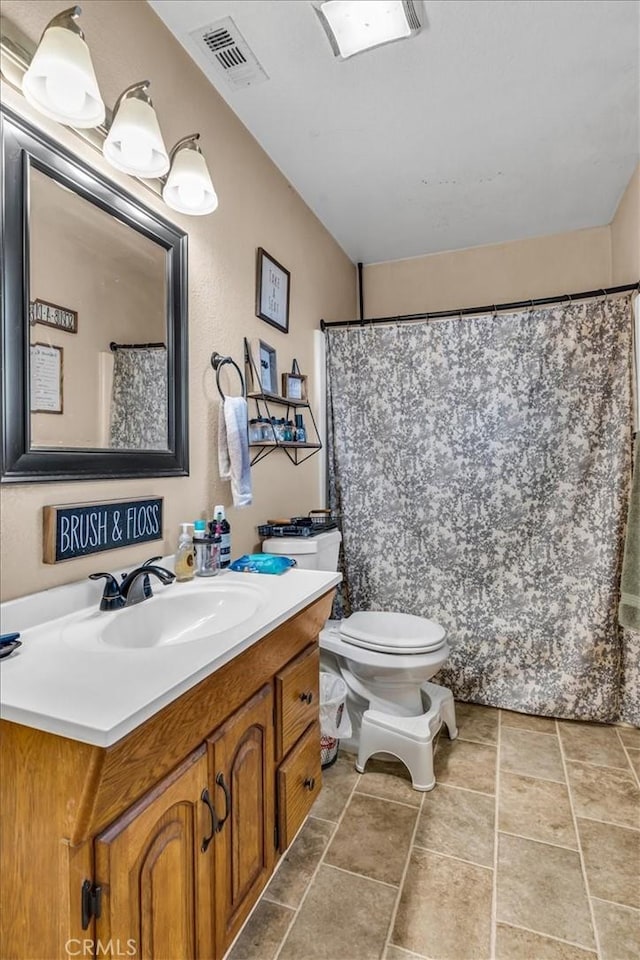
[{"x": 94, "y": 322}]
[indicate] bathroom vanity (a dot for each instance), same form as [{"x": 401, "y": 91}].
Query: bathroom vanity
[{"x": 158, "y": 841}]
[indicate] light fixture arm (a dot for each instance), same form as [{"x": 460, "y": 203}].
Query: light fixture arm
[
  {"x": 137, "y": 91},
  {"x": 68, "y": 20},
  {"x": 186, "y": 143}
]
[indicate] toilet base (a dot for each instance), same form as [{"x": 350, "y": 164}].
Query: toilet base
[{"x": 410, "y": 739}]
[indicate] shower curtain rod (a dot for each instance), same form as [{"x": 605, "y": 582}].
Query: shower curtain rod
[
  {"x": 113, "y": 346},
  {"x": 490, "y": 308}
]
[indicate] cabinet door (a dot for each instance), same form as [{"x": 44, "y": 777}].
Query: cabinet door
[
  {"x": 157, "y": 880},
  {"x": 242, "y": 782}
]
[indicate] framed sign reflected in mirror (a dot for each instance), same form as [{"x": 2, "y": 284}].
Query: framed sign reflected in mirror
[{"x": 104, "y": 283}]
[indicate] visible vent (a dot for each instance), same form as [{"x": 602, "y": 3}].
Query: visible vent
[{"x": 229, "y": 53}]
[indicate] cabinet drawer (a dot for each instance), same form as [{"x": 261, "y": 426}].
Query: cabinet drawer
[
  {"x": 297, "y": 699},
  {"x": 299, "y": 782}
]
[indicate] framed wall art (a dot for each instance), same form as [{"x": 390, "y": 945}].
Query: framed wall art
[
  {"x": 273, "y": 285},
  {"x": 51, "y": 315},
  {"x": 46, "y": 378}
]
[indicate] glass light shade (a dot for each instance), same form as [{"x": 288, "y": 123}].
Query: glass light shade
[
  {"x": 189, "y": 188},
  {"x": 61, "y": 82},
  {"x": 134, "y": 143},
  {"x": 356, "y": 25}
]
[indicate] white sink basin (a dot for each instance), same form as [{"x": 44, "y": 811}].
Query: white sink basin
[{"x": 181, "y": 613}]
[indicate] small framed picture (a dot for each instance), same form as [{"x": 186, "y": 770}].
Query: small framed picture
[
  {"x": 272, "y": 291},
  {"x": 51, "y": 315},
  {"x": 46, "y": 363},
  {"x": 267, "y": 367},
  {"x": 294, "y": 386}
]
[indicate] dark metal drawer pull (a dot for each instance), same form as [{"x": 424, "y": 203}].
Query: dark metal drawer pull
[
  {"x": 204, "y": 796},
  {"x": 227, "y": 802},
  {"x": 307, "y": 697},
  {"x": 310, "y": 783}
]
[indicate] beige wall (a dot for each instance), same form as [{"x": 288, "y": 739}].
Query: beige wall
[
  {"x": 496, "y": 273},
  {"x": 258, "y": 207},
  {"x": 625, "y": 235}
]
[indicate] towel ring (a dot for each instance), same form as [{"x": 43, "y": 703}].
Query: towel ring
[{"x": 217, "y": 362}]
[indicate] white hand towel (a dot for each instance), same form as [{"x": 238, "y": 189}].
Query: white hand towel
[{"x": 233, "y": 449}]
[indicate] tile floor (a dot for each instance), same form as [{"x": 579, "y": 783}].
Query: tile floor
[{"x": 527, "y": 849}]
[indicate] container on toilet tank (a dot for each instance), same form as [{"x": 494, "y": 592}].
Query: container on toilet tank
[{"x": 319, "y": 552}]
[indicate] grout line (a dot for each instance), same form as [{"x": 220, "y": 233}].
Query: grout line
[
  {"x": 374, "y": 796},
  {"x": 315, "y": 872},
  {"x": 470, "y": 739},
  {"x": 450, "y": 856},
  {"x": 610, "y": 823},
  {"x": 548, "y": 936},
  {"x": 394, "y": 912},
  {"x": 583, "y": 868},
  {"x": 361, "y": 876},
  {"x": 600, "y": 766},
  {"x": 544, "y": 733},
  {"x": 626, "y": 749},
  {"x": 496, "y": 815},
  {"x": 616, "y": 903},
  {"x": 454, "y": 786},
  {"x": 547, "y": 843},
  {"x": 322, "y": 819},
  {"x": 267, "y": 899}
]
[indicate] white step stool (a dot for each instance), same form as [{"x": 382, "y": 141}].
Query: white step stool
[{"x": 410, "y": 739}]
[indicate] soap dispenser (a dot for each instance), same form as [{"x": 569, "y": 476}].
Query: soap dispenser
[{"x": 185, "y": 565}]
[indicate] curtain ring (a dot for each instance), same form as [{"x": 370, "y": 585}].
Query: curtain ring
[
  {"x": 495, "y": 312},
  {"x": 568, "y": 295},
  {"x": 531, "y": 308},
  {"x": 605, "y": 295}
]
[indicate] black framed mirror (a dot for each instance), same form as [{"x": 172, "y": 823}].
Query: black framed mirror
[{"x": 94, "y": 322}]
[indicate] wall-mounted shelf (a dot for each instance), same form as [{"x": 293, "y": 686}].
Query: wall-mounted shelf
[{"x": 297, "y": 452}]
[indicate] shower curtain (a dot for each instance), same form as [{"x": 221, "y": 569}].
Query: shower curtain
[
  {"x": 482, "y": 468},
  {"x": 139, "y": 399}
]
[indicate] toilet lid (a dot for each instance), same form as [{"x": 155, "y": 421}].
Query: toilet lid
[{"x": 392, "y": 632}]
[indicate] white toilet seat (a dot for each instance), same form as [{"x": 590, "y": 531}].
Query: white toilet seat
[
  {"x": 332, "y": 641},
  {"x": 392, "y": 633}
]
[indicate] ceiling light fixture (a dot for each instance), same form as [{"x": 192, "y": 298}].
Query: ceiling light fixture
[
  {"x": 134, "y": 142},
  {"x": 189, "y": 188},
  {"x": 356, "y": 25},
  {"x": 61, "y": 82}
]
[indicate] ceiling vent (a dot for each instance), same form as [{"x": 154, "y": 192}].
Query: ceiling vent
[{"x": 229, "y": 53}]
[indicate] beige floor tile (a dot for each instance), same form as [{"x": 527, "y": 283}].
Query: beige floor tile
[
  {"x": 612, "y": 861},
  {"x": 530, "y": 754},
  {"x": 390, "y": 780},
  {"x": 263, "y": 934},
  {"x": 337, "y": 783},
  {"x": 618, "y": 931},
  {"x": 537, "y": 809},
  {"x": 459, "y": 823},
  {"x": 468, "y": 765},
  {"x": 513, "y": 943},
  {"x": 445, "y": 908},
  {"x": 342, "y": 916},
  {"x": 397, "y": 953},
  {"x": 476, "y": 722},
  {"x": 603, "y": 793},
  {"x": 634, "y": 756},
  {"x": 592, "y": 743},
  {"x": 296, "y": 869},
  {"x": 525, "y": 721},
  {"x": 373, "y": 838},
  {"x": 541, "y": 887},
  {"x": 630, "y": 736}
]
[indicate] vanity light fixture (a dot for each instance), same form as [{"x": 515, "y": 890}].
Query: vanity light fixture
[
  {"x": 60, "y": 81},
  {"x": 189, "y": 188},
  {"x": 134, "y": 142},
  {"x": 356, "y": 25}
]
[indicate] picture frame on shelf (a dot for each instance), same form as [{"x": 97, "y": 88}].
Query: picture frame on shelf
[
  {"x": 261, "y": 361},
  {"x": 294, "y": 386},
  {"x": 273, "y": 290}
]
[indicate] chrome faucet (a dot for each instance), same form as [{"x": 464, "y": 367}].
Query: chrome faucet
[{"x": 134, "y": 587}]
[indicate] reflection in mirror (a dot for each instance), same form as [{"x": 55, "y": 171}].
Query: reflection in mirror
[{"x": 97, "y": 286}]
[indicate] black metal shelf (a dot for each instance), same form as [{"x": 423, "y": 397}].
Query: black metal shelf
[{"x": 276, "y": 398}]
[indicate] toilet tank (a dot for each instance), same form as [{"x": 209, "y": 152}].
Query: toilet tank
[{"x": 319, "y": 552}]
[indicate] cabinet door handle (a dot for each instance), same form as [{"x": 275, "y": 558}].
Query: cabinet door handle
[
  {"x": 309, "y": 783},
  {"x": 204, "y": 796},
  {"x": 307, "y": 697},
  {"x": 227, "y": 802}
]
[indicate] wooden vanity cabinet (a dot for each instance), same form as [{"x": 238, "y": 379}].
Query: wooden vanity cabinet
[{"x": 172, "y": 832}]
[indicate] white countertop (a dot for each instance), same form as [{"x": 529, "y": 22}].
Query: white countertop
[{"x": 100, "y": 695}]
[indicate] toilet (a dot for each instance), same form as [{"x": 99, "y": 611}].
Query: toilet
[{"x": 386, "y": 660}]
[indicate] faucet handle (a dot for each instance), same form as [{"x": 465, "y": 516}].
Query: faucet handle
[{"x": 112, "y": 599}]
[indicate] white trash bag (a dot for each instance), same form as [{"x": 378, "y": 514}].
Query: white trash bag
[{"x": 334, "y": 718}]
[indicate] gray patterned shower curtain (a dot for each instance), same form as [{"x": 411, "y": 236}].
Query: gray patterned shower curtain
[
  {"x": 482, "y": 470},
  {"x": 139, "y": 399}
]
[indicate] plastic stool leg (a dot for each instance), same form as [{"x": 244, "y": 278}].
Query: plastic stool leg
[{"x": 448, "y": 714}]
